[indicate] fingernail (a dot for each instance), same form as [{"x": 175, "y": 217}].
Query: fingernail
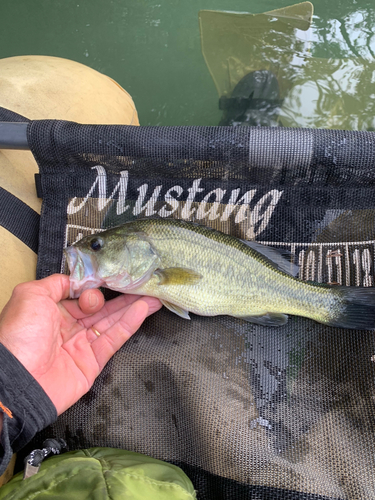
[{"x": 93, "y": 300}]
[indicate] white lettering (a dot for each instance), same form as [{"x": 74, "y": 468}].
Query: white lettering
[
  {"x": 163, "y": 212},
  {"x": 122, "y": 187},
  {"x": 101, "y": 183},
  {"x": 334, "y": 256},
  {"x": 209, "y": 208},
  {"x": 212, "y": 214},
  {"x": 366, "y": 266},
  {"x": 357, "y": 265},
  {"x": 244, "y": 207},
  {"x": 72, "y": 207},
  {"x": 301, "y": 260},
  {"x": 231, "y": 205},
  {"x": 150, "y": 205},
  {"x": 263, "y": 211},
  {"x": 310, "y": 266},
  {"x": 187, "y": 212}
]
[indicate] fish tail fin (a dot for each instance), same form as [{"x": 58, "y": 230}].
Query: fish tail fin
[{"x": 357, "y": 308}]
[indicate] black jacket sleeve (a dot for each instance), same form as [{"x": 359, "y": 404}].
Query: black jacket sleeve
[{"x": 30, "y": 409}]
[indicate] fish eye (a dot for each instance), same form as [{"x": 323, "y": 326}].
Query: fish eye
[{"x": 96, "y": 244}]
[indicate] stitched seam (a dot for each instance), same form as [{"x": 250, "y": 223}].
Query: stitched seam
[
  {"x": 101, "y": 460},
  {"x": 159, "y": 484},
  {"x": 52, "y": 484}
]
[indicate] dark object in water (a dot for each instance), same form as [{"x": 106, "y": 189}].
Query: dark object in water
[{"x": 255, "y": 101}]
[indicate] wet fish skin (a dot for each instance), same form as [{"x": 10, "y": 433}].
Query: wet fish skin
[{"x": 192, "y": 268}]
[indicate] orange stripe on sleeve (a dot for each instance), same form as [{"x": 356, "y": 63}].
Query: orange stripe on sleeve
[{"x": 6, "y": 410}]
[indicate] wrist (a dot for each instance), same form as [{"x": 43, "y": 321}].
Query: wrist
[{"x": 25, "y": 407}]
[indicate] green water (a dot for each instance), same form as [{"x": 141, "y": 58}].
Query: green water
[{"x": 153, "y": 47}]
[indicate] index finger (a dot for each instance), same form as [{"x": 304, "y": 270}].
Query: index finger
[{"x": 109, "y": 307}]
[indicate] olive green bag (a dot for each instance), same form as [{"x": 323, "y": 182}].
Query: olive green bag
[{"x": 102, "y": 473}]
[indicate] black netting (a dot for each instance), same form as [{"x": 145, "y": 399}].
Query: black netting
[{"x": 247, "y": 411}]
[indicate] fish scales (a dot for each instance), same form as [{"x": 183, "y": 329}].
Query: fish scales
[
  {"x": 232, "y": 277},
  {"x": 194, "y": 268}
]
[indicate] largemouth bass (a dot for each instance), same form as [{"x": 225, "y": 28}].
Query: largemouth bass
[{"x": 192, "y": 268}]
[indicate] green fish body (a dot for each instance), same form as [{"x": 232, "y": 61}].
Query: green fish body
[{"x": 192, "y": 268}]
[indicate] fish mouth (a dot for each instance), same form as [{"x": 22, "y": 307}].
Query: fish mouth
[{"x": 83, "y": 272}]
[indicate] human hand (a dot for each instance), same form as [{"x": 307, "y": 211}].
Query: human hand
[{"x": 53, "y": 338}]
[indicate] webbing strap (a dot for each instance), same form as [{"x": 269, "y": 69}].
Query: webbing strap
[
  {"x": 15, "y": 216},
  {"x": 19, "y": 219}
]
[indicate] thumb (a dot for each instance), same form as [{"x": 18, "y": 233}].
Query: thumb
[
  {"x": 57, "y": 286},
  {"x": 91, "y": 301}
]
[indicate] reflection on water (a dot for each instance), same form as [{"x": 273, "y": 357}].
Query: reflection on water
[
  {"x": 344, "y": 29},
  {"x": 324, "y": 70},
  {"x": 331, "y": 93},
  {"x": 153, "y": 48}
]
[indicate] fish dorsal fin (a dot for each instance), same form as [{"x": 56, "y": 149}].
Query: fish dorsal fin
[
  {"x": 176, "y": 309},
  {"x": 268, "y": 319},
  {"x": 177, "y": 276},
  {"x": 280, "y": 258}
]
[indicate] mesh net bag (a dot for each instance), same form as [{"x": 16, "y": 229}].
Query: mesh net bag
[{"x": 247, "y": 411}]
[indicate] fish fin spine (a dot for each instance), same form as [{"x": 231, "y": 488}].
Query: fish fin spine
[
  {"x": 176, "y": 309},
  {"x": 267, "y": 319}
]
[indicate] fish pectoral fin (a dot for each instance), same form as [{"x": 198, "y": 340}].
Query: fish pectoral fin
[
  {"x": 268, "y": 319},
  {"x": 176, "y": 309},
  {"x": 177, "y": 276}
]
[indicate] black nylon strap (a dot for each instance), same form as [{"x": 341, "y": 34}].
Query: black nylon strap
[
  {"x": 19, "y": 219},
  {"x": 15, "y": 215},
  {"x": 6, "y": 115}
]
